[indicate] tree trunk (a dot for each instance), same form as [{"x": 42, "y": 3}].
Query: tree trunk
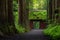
[
  {"x": 58, "y": 6},
  {"x": 10, "y": 12},
  {"x": 52, "y": 7},
  {"x": 7, "y": 25},
  {"x": 11, "y": 17},
  {"x": 3, "y": 17},
  {"x": 2, "y": 12},
  {"x": 23, "y": 13}
]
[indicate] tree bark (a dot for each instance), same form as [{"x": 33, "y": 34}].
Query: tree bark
[
  {"x": 3, "y": 17},
  {"x": 11, "y": 17},
  {"x": 6, "y": 17},
  {"x": 23, "y": 13},
  {"x": 50, "y": 10},
  {"x": 52, "y": 6},
  {"x": 10, "y": 12},
  {"x": 2, "y": 12},
  {"x": 58, "y": 6}
]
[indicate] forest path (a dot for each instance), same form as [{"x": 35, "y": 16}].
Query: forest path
[
  {"x": 35, "y": 35},
  {"x": 31, "y": 35}
]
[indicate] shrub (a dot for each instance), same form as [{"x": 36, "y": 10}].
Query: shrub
[
  {"x": 53, "y": 31},
  {"x": 20, "y": 28}
]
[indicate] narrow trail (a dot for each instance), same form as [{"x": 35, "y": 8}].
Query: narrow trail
[{"x": 32, "y": 35}]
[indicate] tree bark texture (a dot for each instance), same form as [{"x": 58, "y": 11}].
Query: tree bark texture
[{"x": 23, "y": 13}]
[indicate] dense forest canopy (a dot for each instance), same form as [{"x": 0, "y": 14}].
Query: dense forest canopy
[
  {"x": 40, "y": 4},
  {"x": 38, "y": 9}
]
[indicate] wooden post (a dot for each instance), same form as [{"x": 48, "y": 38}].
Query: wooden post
[
  {"x": 42, "y": 24},
  {"x": 31, "y": 25}
]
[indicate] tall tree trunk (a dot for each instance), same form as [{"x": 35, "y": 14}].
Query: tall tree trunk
[
  {"x": 3, "y": 17},
  {"x": 7, "y": 25},
  {"x": 50, "y": 11},
  {"x": 11, "y": 17},
  {"x": 58, "y": 6},
  {"x": 52, "y": 7},
  {"x": 2, "y": 12},
  {"x": 23, "y": 13},
  {"x": 10, "y": 12}
]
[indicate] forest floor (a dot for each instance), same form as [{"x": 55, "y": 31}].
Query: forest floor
[{"x": 32, "y": 35}]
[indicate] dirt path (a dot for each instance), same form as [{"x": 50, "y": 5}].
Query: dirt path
[
  {"x": 35, "y": 35},
  {"x": 32, "y": 35}
]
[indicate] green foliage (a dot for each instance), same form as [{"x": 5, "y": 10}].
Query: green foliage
[
  {"x": 40, "y": 4},
  {"x": 36, "y": 25},
  {"x": 38, "y": 9},
  {"x": 53, "y": 31},
  {"x": 15, "y": 6},
  {"x": 20, "y": 28},
  {"x": 7, "y": 29},
  {"x": 38, "y": 15}
]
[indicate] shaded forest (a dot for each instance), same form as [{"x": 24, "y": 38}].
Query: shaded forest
[{"x": 15, "y": 17}]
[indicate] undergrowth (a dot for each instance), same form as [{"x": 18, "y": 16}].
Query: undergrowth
[{"x": 53, "y": 31}]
